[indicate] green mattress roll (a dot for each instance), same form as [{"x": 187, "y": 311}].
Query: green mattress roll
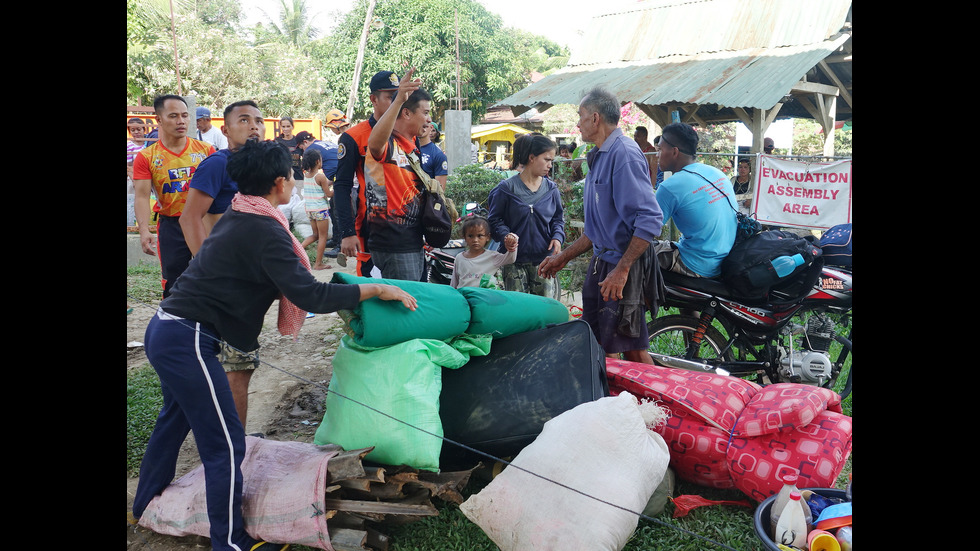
[
  {"x": 442, "y": 313},
  {"x": 504, "y": 313}
]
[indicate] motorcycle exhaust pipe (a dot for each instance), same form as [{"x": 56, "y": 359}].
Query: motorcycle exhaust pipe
[{"x": 690, "y": 365}]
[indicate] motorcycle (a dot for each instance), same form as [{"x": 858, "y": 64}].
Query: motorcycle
[
  {"x": 439, "y": 261},
  {"x": 796, "y": 333}
]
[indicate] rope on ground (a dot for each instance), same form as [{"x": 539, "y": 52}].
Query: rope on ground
[{"x": 461, "y": 445}]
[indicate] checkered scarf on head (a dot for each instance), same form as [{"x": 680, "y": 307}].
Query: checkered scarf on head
[{"x": 291, "y": 317}]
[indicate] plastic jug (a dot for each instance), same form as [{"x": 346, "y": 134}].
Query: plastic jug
[
  {"x": 792, "y": 528},
  {"x": 844, "y": 538},
  {"x": 782, "y": 498},
  {"x": 785, "y": 265}
]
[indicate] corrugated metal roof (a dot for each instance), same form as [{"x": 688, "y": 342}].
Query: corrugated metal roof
[
  {"x": 732, "y": 53},
  {"x": 659, "y": 29}
]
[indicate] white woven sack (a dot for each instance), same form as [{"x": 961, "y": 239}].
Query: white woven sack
[{"x": 603, "y": 449}]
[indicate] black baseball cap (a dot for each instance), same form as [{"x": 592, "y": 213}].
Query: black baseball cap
[
  {"x": 384, "y": 80},
  {"x": 303, "y": 136}
]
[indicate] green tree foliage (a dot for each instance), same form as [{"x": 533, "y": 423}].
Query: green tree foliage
[
  {"x": 494, "y": 62},
  {"x": 226, "y": 14},
  {"x": 149, "y": 44},
  {"x": 717, "y": 138},
  {"x": 275, "y": 64},
  {"x": 294, "y": 25},
  {"x": 808, "y": 139},
  {"x": 220, "y": 65}
]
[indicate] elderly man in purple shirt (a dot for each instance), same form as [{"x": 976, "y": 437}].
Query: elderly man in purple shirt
[{"x": 622, "y": 218}]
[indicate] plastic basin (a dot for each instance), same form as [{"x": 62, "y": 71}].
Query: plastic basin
[{"x": 761, "y": 517}]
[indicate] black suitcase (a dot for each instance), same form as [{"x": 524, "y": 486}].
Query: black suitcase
[{"x": 498, "y": 403}]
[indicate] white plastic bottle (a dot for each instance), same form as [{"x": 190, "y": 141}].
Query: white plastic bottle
[
  {"x": 782, "y": 498},
  {"x": 792, "y": 526}
]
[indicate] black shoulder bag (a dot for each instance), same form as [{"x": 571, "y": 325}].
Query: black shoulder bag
[{"x": 438, "y": 211}]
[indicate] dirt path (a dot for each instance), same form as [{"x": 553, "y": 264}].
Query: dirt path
[{"x": 286, "y": 395}]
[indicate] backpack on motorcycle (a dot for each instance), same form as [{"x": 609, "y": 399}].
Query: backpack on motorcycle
[
  {"x": 748, "y": 271},
  {"x": 836, "y": 245}
]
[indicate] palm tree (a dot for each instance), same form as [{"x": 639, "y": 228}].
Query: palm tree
[{"x": 294, "y": 25}]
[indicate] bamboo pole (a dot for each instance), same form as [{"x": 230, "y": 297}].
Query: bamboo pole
[{"x": 360, "y": 59}]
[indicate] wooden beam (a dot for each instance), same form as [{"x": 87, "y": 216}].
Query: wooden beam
[
  {"x": 347, "y": 464},
  {"x": 844, "y": 94},
  {"x": 692, "y": 115},
  {"x": 808, "y": 105},
  {"x": 386, "y": 508},
  {"x": 771, "y": 115},
  {"x": 840, "y": 58},
  {"x": 656, "y": 113},
  {"x": 819, "y": 99},
  {"x": 743, "y": 116},
  {"x": 831, "y": 109},
  {"x": 804, "y": 87},
  {"x": 345, "y": 539}
]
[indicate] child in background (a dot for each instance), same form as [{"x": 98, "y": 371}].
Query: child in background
[
  {"x": 316, "y": 190},
  {"x": 475, "y": 266}
]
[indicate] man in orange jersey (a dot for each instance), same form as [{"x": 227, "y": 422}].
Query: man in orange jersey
[
  {"x": 167, "y": 166},
  {"x": 349, "y": 186},
  {"x": 392, "y": 187}
]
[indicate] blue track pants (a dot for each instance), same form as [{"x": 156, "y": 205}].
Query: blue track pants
[{"x": 196, "y": 397}]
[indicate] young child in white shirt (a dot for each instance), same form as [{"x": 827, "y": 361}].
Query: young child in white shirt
[{"x": 475, "y": 267}]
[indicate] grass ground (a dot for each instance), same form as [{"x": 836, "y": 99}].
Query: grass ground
[{"x": 712, "y": 527}]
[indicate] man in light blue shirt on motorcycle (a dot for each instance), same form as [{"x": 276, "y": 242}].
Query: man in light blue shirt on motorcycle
[{"x": 699, "y": 198}]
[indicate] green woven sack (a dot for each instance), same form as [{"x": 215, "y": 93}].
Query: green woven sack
[
  {"x": 442, "y": 314},
  {"x": 504, "y": 313},
  {"x": 403, "y": 383}
]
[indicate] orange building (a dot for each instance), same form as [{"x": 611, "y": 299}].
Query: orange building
[{"x": 313, "y": 126}]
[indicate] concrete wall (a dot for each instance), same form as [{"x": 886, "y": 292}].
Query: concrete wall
[
  {"x": 458, "y": 142},
  {"x": 134, "y": 252}
]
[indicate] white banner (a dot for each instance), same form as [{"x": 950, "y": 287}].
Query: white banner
[{"x": 801, "y": 194}]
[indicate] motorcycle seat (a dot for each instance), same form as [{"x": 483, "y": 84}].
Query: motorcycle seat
[
  {"x": 712, "y": 286},
  {"x": 703, "y": 284}
]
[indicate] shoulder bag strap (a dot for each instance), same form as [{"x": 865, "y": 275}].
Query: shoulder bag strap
[
  {"x": 432, "y": 185},
  {"x": 712, "y": 185}
]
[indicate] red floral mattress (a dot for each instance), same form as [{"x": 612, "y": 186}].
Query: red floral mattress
[{"x": 726, "y": 432}]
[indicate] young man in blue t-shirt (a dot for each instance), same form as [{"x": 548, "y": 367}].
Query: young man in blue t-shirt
[
  {"x": 209, "y": 196},
  {"x": 212, "y": 188},
  {"x": 701, "y": 201}
]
